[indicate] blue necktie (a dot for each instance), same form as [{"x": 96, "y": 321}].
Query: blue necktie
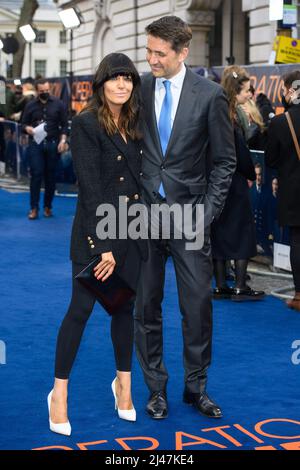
[{"x": 164, "y": 123}]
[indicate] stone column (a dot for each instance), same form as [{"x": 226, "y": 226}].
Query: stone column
[{"x": 199, "y": 14}]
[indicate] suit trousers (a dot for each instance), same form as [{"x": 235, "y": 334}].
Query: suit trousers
[
  {"x": 193, "y": 271},
  {"x": 43, "y": 161}
]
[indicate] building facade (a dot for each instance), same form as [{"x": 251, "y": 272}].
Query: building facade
[
  {"x": 119, "y": 25},
  {"x": 262, "y": 32},
  {"x": 222, "y": 30},
  {"x": 49, "y": 51}
]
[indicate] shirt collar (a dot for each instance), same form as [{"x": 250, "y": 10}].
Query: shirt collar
[{"x": 176, "y": 81}]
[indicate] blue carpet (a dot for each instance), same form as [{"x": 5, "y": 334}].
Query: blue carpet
[{"x": 252, "y": 376}]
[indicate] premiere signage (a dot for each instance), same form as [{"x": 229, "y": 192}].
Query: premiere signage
[{"x": 269, "y": 434}]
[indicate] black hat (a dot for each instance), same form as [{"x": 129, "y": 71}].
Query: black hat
[{"x": 116, "y": 64}]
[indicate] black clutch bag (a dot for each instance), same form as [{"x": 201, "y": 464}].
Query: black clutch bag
[{"x": 112, "y": 294}]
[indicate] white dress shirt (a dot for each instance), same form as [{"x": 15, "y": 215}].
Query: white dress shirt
[{"x": 176, "y": 88}]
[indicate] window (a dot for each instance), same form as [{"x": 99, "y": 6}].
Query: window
[
  {"x": 298, "y": 22},
  {"x": 9, "y": 69},
  {"x": 40, "y": 68},
  {"x": 63, "y": 37},
  {"x": 40, "y": 36},
  {"x": 63, "y": 68}
]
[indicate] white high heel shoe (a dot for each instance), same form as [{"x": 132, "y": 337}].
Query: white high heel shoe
[
  {"x": 128, "y": 415},
  {"x": 59, "y": 428}
]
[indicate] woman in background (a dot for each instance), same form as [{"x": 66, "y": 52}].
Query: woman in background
[
  {"x": 282, "y": 155},
  {"x": 233, "y": 234}
]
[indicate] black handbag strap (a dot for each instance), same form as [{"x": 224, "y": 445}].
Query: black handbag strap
[{"x": 292, "y": 129}]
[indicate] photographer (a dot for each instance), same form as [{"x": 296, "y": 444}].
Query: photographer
[{"x": 44, "y": 156}]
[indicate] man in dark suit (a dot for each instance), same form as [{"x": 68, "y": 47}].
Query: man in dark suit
[{"x": 188, "y": 158}]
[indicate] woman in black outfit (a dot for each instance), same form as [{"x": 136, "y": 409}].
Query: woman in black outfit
[
  {"x": 233, "y": 234},
  {"x": 281, "y": 154},
  {"x": 107, "y": 160}
]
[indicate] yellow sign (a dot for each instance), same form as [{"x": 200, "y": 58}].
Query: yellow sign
[{"x": 288, "y": 50}]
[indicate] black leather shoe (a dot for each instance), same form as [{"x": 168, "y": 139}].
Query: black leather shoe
[
  {"x": 294, "y": 303},
  {"x": 33, "y": 214},
  {"x": 157, "y": 406},
  {"x": 203, "y": 404},
  {"x": 220, "y": 293},
  {"x": 240, "y": 295},
  {"x": 48, "y": 212}
]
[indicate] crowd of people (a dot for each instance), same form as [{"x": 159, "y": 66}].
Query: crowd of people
[
  {"x": 168, "y": 137},
  {"x": 49, "y": 169}
]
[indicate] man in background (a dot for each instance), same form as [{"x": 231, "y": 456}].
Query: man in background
[{"x": 44, "y": 156}]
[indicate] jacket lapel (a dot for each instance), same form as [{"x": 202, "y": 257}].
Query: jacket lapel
[{"x": 183, "y": 110}]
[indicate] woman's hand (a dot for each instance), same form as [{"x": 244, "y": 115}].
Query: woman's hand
[{"x": 106, "y": 266}]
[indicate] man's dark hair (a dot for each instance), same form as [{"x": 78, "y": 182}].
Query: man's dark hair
[
  {"x": 40, "y": 81},
  {"x": 290, "y": 78},
  {"x": 29, "y": 80},
  {"x": 173, "y": 30}
]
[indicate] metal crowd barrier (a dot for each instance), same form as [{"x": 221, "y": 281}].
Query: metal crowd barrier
[
  {"x": 264, "y": 204},
  {"x": 15, "y": 160},
  {"x": 12, "y": 145},
  {"x": 267, "y": 228}
]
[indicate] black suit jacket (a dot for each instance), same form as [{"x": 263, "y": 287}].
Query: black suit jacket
[
  {"x": 281, "y": 154},
  {"x": 106, "y": 168},
  {"x": 200, "y": 158}
]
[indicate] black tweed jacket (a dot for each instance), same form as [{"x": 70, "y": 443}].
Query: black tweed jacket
[{"x": 106, "y": 168}]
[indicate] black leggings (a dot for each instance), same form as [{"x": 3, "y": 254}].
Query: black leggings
[
  {"x": 240, "y": 273},
  {"x": 295, "y": 255},
  {"x": 72, "y": 327}
]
